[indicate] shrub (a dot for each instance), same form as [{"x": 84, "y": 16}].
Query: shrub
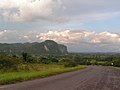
[
  {"x": 9, "y": 62},
  {"x": 70, "y": 63},
  {"x": 116, "y": 63},
  {"x": 45, "y": 60}
]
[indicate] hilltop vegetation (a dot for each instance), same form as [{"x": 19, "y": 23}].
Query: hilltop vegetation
[{"x": 46, "y": 47}]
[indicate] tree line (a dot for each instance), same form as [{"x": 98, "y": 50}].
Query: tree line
[{"x": 12, "y": 61}]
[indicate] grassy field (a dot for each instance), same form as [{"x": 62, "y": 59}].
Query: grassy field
[{"x": 37, "y": 71}]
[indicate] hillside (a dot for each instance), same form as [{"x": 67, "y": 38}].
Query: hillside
[{"x": 46, "y": 47}]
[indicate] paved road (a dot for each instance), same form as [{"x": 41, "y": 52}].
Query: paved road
[{"x": 91, "y": 78}]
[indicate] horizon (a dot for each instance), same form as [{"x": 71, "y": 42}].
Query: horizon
[
  {"x": 87, "y": 52},
  {"x": 81, "y": 25}
]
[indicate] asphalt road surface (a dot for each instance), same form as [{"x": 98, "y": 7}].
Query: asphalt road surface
[{"x": 91, "y": 78}]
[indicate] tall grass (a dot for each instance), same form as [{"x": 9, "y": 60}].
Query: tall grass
[{"x": 46, "y": 70}]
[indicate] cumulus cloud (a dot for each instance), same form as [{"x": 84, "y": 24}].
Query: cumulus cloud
[
  {"x": 84, "y": 40},
  {"x": 65, "y": 37},
  {"x": 30, "y": 10},
  {"x": 58, "y": 10},
  {"x": 77, "y": 37},
  {"x": 107, "y": 37},
  {"x": 2, "y": 33},
  {"x": 8, "y": 36}
]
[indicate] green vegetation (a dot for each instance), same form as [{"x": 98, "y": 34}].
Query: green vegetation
[
  {"x": 103, "y": 59},
  {"x": 26, "y": 61},
  {"x": 46, "y": 70},
  {"x": 46, "y": 47},
  {"x": 16, "y": 68}
]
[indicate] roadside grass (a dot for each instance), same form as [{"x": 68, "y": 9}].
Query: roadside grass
[
  {"x": 45, "y": 71},
  {"x": 117, "y": 68}
]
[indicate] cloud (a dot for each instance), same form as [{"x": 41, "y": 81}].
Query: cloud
[
  {"x": 107, "y": 37},
  {"x": 91, "y": 10},
  {"x": 65, "y": 37},
  {"x": 83, "y": 40},
  {"x": 8, "y": 36},
  {"x": 30, "y": 10},
  {"x": 78, "y": 37},
  {"x": 58, "y": 10},
  {"x": 2, "y": 33},
  {"x": 90, "y": 6}
]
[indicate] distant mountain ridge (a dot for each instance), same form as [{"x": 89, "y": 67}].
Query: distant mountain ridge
[{"x": 46, "y": 47}]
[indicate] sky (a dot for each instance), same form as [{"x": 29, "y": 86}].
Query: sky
[{"x": 81, "y": 25}]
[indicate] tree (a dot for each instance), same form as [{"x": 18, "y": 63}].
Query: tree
[
  {"x": 25, "y": 56},
  {"x": 116, "y": 63},
  {"x": 8, "y": 62}
]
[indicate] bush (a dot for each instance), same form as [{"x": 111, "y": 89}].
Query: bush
[
  {"x": 116, "y": 63},
  {"x": 94, "y": 62},
  {"x": 45, "y": 60},
  {"x": 70, "y": 63},
  {"x": 9, "y": 62}
]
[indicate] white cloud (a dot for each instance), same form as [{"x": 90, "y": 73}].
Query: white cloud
[
  {"x": 58, "y": 10},
  {"x": 91, "y": 10},
  {"x": 2, "y": 33},
  {"x": 65, "y": 37},
  {"x": 77, "y": 37},
  {"x": 90, "y": 6},
  {"x": 29, "y": 10},
  {"x": 8, "y": 36},
  {"x": 107, "y": 37},
  {"x": 83, "y": 40}
]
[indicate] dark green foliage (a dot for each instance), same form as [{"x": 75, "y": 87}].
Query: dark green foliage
[
  {"x": 31, "y": 59},
  {"x": 44, "y": 48},
  {"x": 70, "y": 63},
  {"x": 106, "y": 63},
  {"x": 13, "y": 62},
  {"x": 45, "y": 60},
  {"x": 94, "y": 62},
  {"x": 88, "y": 62},
  {"x": 25, "y": 56},
  {"x": 53, "y": 59},
  {"x": 82, "y": 60},
  {"x": 116, "y": 63},
  {"x": 9, "y": 62}
]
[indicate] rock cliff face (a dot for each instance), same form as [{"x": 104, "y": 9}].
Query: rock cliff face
[{"x": 46, "y": 47}]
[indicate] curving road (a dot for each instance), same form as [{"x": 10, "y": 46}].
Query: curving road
[{"x": 91, "y": 78}]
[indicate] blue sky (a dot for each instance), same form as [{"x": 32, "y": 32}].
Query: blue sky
[
  {"x": 111, "y": 25},
  {"x": 90, "y": 25}
]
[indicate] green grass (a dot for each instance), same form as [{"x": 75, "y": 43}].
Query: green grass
[
  {"x": 46, "y": 70},
  {"x": 117, "y": 68}
]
